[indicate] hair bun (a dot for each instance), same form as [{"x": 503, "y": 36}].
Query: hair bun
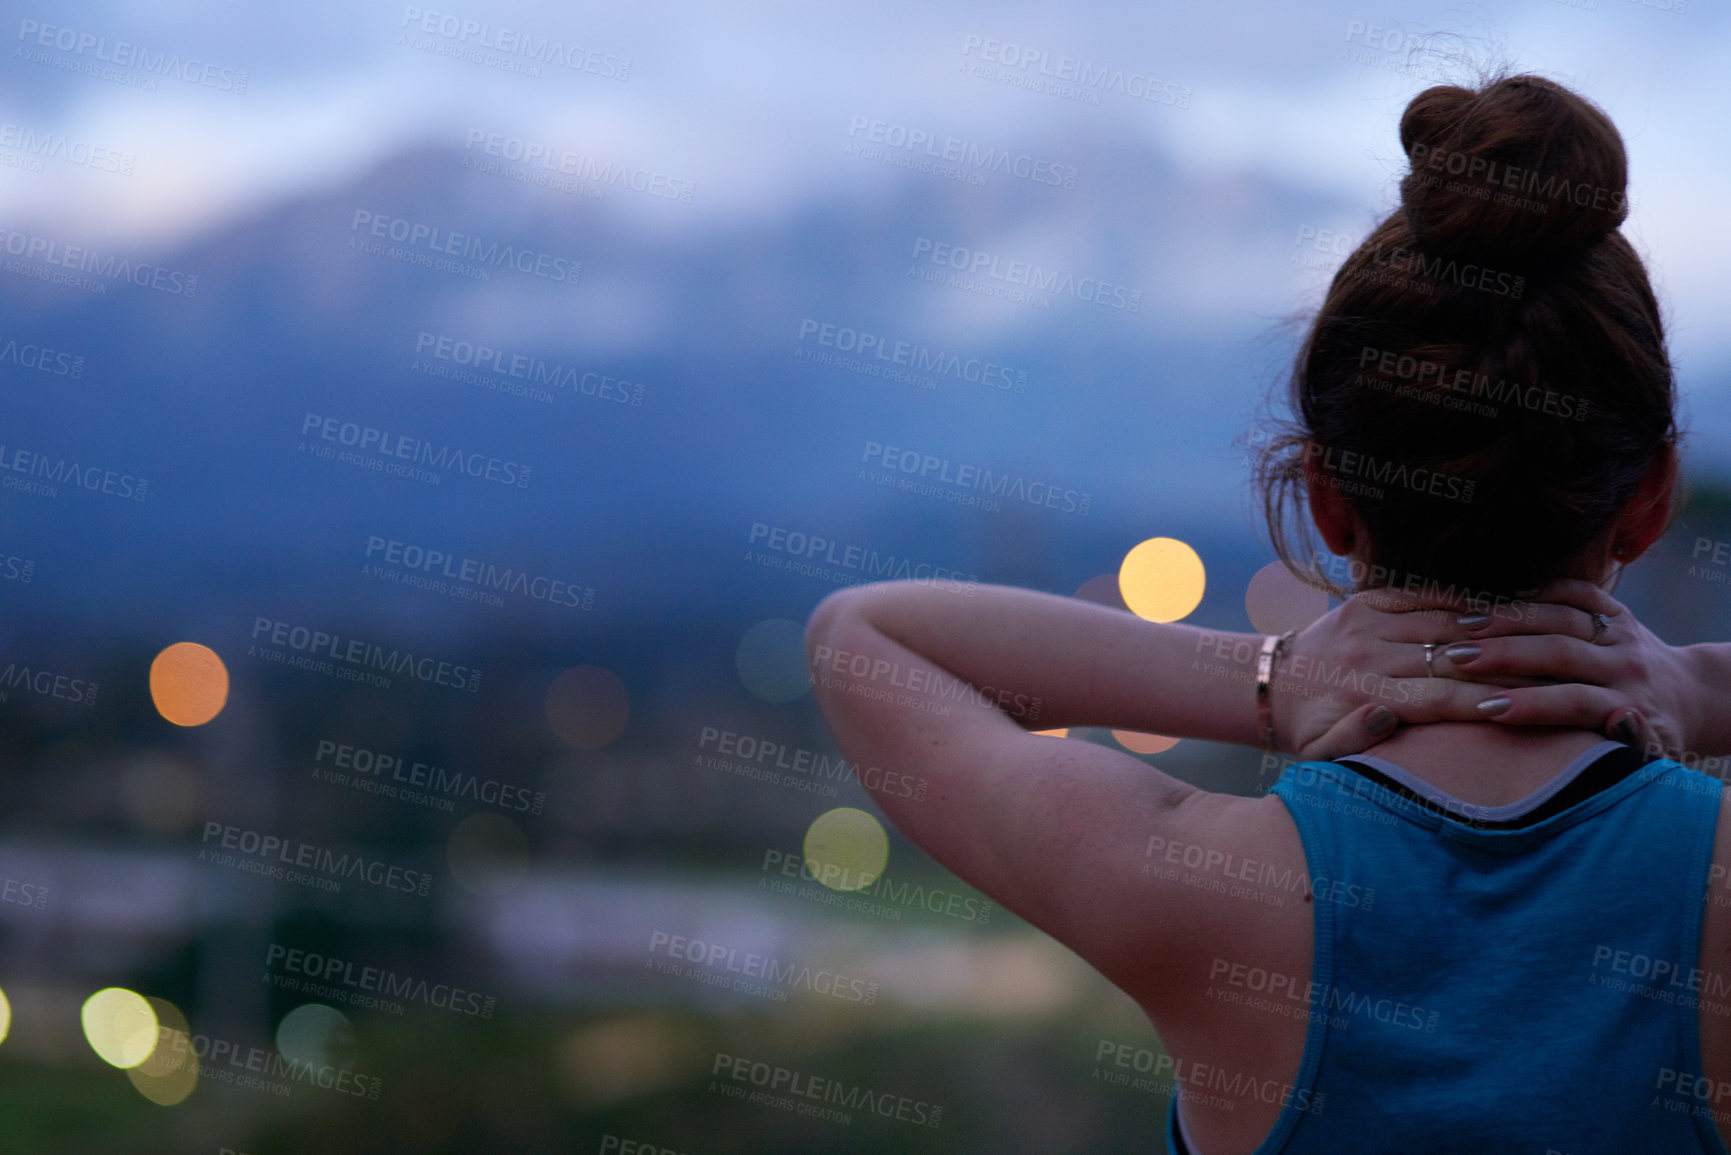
[{"x": 1522, "y": 171}]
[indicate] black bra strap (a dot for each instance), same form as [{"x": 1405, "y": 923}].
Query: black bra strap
[{"x": 1604, "y": 772}]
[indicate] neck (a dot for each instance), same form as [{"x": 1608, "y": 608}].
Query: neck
[{"x": 1482, "y": 762}]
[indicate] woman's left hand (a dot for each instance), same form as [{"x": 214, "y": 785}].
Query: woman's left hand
[{"x": 1597, "y": 668}]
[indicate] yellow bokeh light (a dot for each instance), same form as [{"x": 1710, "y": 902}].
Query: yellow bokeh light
[
  {"x": 846, "y": 849},
  {"x": 1144, "y": 743},
  {"x": 120, "y": 1026},
  {"x": 5, "y": 1016},
  {"x": 188, "y": 683},
  {"x": 1061, "y": 732},
  {"x": 1276, "y": 601},
  {"x": 170, "y": 1074},
  {"x": 1161, "y": 579}
]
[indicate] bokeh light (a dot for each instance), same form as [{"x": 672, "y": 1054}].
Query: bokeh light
[
  {"x": 1276, "y": 601},
  {"x": 1161, "y": 579},
  {"x": 588, "y": 706},
  {"x": 1061, "y": 732},
  {"x": 846, "y": 848},
  {"x": 188, "y": 683},
  {"x": 488, "y": 854},
  {"x": 770, "y": 660},
  {"x": 317, "y": 1035},
  {"x": 120, "y": 1026},
  {"x": 1144, "y": 743},
  {"x": 5, "y": 1016},
  {"x": 170, "y": 1074}
]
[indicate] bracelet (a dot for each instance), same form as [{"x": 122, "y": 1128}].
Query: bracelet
[{"x": 1273, "y": 647}]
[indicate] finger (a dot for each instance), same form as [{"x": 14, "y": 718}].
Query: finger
[
  {"x": 1355, "y": 733},
  {"x": 1531, "y": 660},
  {"x": 1583, "y": 595},
  {"x": 1529, "y": 618},
  {"x": 1419, "y": 700},
  {"x": 1631, "y": 729},
  {"x": 1571, "y": 704},
  {"x": 1402, "y": 618}
]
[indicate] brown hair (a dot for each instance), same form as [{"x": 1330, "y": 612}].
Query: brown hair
[{"x": 1487, "y": 376}]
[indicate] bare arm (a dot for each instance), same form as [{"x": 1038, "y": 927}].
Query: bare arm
[{"x": 947, "y": 684}]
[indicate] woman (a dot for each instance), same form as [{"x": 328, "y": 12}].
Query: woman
[{"x": 1494, "y": 931}]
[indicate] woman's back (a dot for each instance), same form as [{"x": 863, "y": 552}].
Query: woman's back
[{"x": 1478, "y": 987}]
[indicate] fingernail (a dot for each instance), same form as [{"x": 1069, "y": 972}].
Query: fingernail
[
  {"x": 1461, "y": 652},
  {"x": 1473, "y": 620},
  {"x": 1491, "y": 707},
  {"x": 1379, "y": 720},
  {"x": 1625, "y": 731}
]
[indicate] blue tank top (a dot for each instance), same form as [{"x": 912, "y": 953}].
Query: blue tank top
[{"x": 1515, "y": 988}]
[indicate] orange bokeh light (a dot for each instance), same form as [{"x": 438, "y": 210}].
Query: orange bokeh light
[
  {"x": 1144, "y": 743},
  {"x": 188, "y": 683}
]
